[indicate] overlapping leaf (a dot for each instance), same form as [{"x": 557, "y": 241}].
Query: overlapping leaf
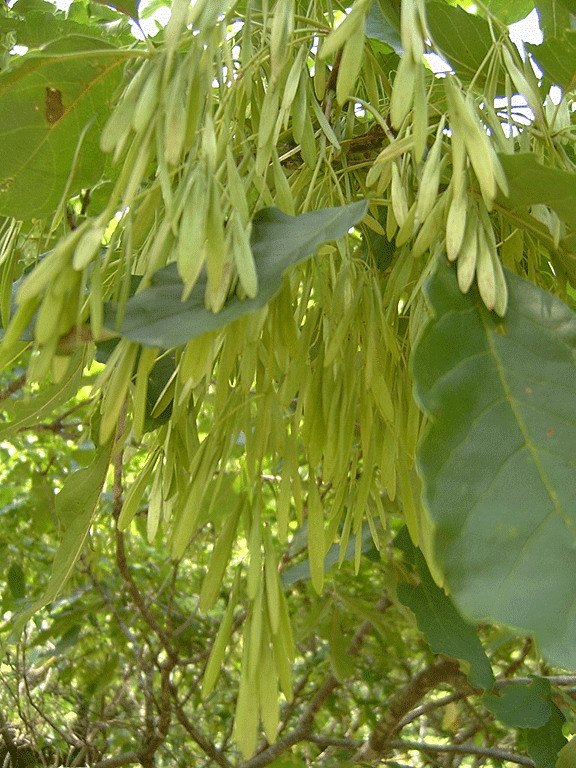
[
  {"x": 444, "y": 629},
  {"x": 499, "y": 460},
  {"x": 463, "y": 38},
  {"x": 531, "y": 182},
  {"x": 158, "y": 317},
  {"x": 51, "y": 114},
  {"x": 556, "y": 56},
  {"x": 75, "y": 506},
  {"x": 523, "y": 705}
]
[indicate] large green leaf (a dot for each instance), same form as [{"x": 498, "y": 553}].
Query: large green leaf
[
  {"x": 498, "y": 462},
  {"x": 530, "y": 182},
  {"x": 158, "y": 317},
  {"x": 75, "y": 507},
  {"x": 443, "y": 627},
  {"x": 556, "y": 57},
  {"x": 52, "y": 107}
]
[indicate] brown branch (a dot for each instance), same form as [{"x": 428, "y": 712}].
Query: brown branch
[
  {"x": 331, "y": 83},
  {"x": 13, "y": 387},
  {"x": 126, "y": 758},
  {"x": 464, "y": 749},
  {"x": 443, "y": 670},
  {"x": 162, "y": 727},
  {"x": 6, "y": 731}
]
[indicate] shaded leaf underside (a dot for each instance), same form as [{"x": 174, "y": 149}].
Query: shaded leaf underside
[{"x": 158, "y": 317}]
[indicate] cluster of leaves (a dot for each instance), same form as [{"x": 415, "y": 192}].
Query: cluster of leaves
[{"x": 191, "y": 374}]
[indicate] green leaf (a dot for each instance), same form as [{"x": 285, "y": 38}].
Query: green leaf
[
  {"x": 127, "y": 7},
  {"x": 443, "y": 627},
  {"x": 75, "y": 507},
  {"x": 52, "y": 106},
  {"x": 22, "y": 413},
  {"x": 509, "y": 11},
  {"x": 530, "y": 182},
  {"x": 553, "y": 17},
  {"x": 545, "y": 742},
  {"x": 378, "y": 28},
  {"x": 522, "y": 705},
  {"x": 498, "y": 462},
  {"x": 39, "y": 27},
  {"x": 158, "y": 317},
  {"x": 556, "y": 57},
  {"x": 567, "y": 755},
  {"x": 463, "y": 38},
  {"x": 570, "y": 5}
]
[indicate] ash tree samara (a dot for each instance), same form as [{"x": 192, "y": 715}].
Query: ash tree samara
[{"x": 324, "y": 291}]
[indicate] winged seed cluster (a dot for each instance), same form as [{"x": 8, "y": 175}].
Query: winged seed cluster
[{"x": 232, "y": 112}]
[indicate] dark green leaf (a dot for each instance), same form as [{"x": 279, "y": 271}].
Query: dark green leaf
[
  {"x": 378, "y": 28},
  {"x": 443, "y": 627},
  {"x": 556, "y": 57},
  {"x": 127, "y": 7},
  {"x": 157, "y": 380},
  {"x": 47, "y": 107},
  {"x": 530, "y": 182},
  {"x": 158, "y": 317},
  {"x": 523, "y": 705},
  {"x": 498, "y": 462},
  {"x": 545, "y": 742}
]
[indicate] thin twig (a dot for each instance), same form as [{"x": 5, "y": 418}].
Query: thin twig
[
  {"x": 205, "y": 745},
  {"x": 464, "y": 749},
  {"x": 126, "y": 758},
  {"x": 13, "y": 387}
]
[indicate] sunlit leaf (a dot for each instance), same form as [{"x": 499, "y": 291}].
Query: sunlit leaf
[{"x": 49, "y": 111}]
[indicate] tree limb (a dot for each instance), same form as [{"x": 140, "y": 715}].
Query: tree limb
[{"x": 442, "y": 670}]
